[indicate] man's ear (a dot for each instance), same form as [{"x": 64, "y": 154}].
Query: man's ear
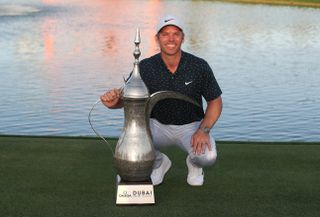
[{"x": 156, "y": 38}]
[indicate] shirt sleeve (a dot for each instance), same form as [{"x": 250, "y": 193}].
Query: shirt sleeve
[{"x": 210, "y": 89}]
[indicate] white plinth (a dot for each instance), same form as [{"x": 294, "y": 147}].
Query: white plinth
[{"x": 135, "y": 193}]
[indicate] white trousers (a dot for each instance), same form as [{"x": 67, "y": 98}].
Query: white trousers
[{"x": 180, "y": 135}]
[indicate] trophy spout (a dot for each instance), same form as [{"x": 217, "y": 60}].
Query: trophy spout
[{"x": 161, "y": 95}]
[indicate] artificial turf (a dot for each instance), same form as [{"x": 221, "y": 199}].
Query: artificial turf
[{"x": 56, "y": 176}]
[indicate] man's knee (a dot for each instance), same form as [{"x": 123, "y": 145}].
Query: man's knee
[{"x": 204, "y": 160}]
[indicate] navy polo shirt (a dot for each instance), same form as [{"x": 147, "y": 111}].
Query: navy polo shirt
[{"x": 193, "y": 78}]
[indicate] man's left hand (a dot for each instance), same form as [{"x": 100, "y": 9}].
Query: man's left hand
[{"x": 199, "y": 141}]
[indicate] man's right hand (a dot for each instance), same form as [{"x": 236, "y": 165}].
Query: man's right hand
[{"x": 112, "y": 98}]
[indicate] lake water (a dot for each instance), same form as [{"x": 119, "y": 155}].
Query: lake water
[{"x": 57, "y": 57}]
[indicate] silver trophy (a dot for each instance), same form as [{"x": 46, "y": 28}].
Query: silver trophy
[{"x": 134, "y": 153}]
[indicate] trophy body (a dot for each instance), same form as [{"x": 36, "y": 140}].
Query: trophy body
[{"x": 134, "y": 154}]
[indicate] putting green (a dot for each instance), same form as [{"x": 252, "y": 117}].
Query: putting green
[{"x": 62, "y": 176}]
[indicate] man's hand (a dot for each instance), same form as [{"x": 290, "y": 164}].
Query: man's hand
[
  {"x": 199, "y": 141},
  {"x": 112, "y": 98}
]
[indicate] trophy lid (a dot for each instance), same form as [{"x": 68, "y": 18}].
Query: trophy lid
[{"x": 135, "y": 87}]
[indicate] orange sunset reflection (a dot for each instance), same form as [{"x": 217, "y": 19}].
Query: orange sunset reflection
[{"x": 48, "y": 38}]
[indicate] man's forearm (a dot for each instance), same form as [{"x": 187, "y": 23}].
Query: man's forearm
[{"x": 213, "y": 112}]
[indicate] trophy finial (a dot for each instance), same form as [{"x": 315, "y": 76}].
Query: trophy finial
[
  {"x": 137, "y": 41},
  {"x": 135, "y": 87}
]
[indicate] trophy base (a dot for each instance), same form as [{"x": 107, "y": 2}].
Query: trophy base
[{"x": 135, "y": 193}]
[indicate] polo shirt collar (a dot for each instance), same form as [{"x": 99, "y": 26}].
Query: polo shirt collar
[{"x": 180, "y": 66}]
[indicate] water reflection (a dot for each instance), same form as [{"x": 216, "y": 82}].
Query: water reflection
[{"x": 57, "y": 57}]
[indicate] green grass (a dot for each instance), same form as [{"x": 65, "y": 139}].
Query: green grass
[{"x": 74, "y": 177}]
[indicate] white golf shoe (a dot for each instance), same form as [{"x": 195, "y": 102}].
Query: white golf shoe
[
  {"x": 195, "y": 174},
  {"x": 158, "y": 174},
  {"x": 118, "y": 179}
]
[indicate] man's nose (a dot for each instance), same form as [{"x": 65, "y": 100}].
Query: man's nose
[{"x": 171, "y": 37}]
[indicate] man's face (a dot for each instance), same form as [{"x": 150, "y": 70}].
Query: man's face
[{"x": 170, "y": 39}]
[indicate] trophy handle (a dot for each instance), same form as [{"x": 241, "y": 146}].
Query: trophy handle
[
  {"x": 160, "y": 95},
  {"x": 94, "y": 130}
]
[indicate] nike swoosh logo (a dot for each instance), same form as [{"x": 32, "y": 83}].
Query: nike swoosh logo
[
  {"x": 168, "y": 20},
  {"x": 187, "y": 83}
]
